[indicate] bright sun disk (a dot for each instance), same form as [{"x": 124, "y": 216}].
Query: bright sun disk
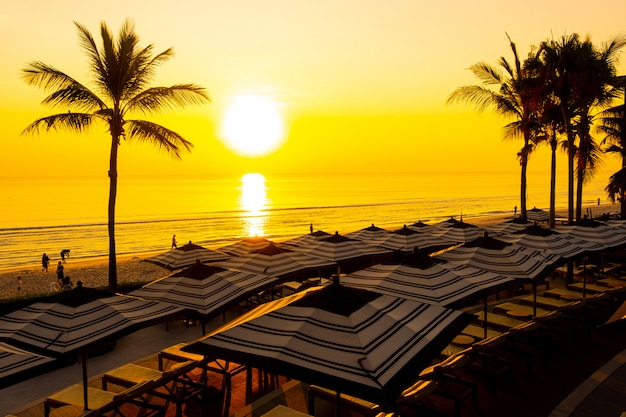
[{"x": 252, "y": 125}]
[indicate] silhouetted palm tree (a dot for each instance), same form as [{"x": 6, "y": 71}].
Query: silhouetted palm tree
[
  {"x": 508, "y": 90},
  {"x": 121, "y": 73},
  {"x": 614, "y": 126},
  {"x": 578, "y": 75}
]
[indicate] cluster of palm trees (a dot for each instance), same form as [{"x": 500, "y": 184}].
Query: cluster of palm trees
[{"x": 561, "y": 95}]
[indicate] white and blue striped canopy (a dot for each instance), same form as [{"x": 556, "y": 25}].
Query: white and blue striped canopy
[
  {"x": 245, "y": 246},
  {"x": 185, "y": 256},
  {"x": 353, "y": 341},
  {"x": 206, "y": 289},
  {"x": 504, "y": 258},
  {"x": 281, "y": 262},
  {"x": 17, "y": 364},
  {"x": 458, "y": 232},
  {"x": 549, "y": 241},
  {"x": 611, "y": 237},
  {"x": 446, "y": 284},
  {"x": 407, "y": 240},
  {"x": 75, "y": 320},
  {"x": 350, "y": 254}
]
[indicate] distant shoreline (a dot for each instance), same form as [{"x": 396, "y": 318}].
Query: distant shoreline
[{"x": 93, "y": 272}]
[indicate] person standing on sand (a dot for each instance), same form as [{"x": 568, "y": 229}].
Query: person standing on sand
[
  {"x": 174, "y": 242},
  {"x": 45, "y": 261},
  {"x": 19, "y": 284},
  {"x": 60, "y": 273}
]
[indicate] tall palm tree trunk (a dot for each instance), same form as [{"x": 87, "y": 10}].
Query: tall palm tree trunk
[
  {"x": 579, "y": 193},
  {"x": 622, "y": 131},
  {"x": 553, "y": 144},
  {"x": 112, "y": 197},
  {"x": 570, "y": 164},
  {"x": 523, "y": 186}
]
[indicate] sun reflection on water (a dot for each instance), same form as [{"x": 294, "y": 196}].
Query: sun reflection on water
[{"x": 253, "y": 201}]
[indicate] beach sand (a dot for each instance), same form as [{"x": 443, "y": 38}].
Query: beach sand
[{"x": 94, "y": 272}]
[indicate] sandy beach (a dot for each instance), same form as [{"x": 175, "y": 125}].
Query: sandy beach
[{"x": 130, "y": 269}]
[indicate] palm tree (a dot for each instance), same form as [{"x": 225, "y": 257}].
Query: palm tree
[
  {"x": 121, "y": 73},
  {"x": 578, "y": 75},
  {"x": 614, "y": 126},
  {"x": 598, "y": 67},
  {"x": 507, "y": 89}
]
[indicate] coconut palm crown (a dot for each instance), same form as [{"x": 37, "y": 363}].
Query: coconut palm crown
[{"x": 121, "y": 71}]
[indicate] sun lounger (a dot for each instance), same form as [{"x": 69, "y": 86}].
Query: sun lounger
[
  {"x": 563, "y": 293},
  {"x": 172, "y": 385},
  {"x": 514, "y": 345},
  {"x": 413, "y": 397},
  {"x": 347, "y": 402},
  {"x": 478, "y": 332},
  {"x": 588, "y": 288},
  {"x": 449, "y": 384},
  {"x": 611, "y": 282},
  {"x": 546, "y": 303},
  {"x": 497, "y": 321},
  {"x": 509, "y": 306},
  {"x": 485, "y": 362},
  {"x": 104, "y": 401}
]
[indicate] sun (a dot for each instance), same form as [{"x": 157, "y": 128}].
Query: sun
[{"x": 253, "y": 125}]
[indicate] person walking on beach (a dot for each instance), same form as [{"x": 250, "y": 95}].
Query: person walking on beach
[
  {"x": 60, "y": 273},
  {"x": 311, "y": 228},
  {"x": 45, "y": 261},
  {"x": 19, "y": 284},
  {"x": 174, "y": 242}
]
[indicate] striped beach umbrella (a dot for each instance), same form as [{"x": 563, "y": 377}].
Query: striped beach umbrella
[
  {"x": 550, "y": 241},
  {"x": 305, "y": 239},
  {"x": 349, "y": 254},
  {"x": 537, "y": 215},
  {"x": 185, "y": 256},
  {"x": 444, "y": 283},
  {"x": 245, "y": 246},
  {"x": 419, "y": 225},
  {"x": 206, "y": 289},
  {"x": 504, "y": 258},
  {"x": 458, "y": 232},
  {"x": 372, "y": 234},
  {"x": 352, "y": 341},
  {"x": 509, "y": 226},
  {"x": 594, "y": 231},
  {"x": 76, "y": 321},
  {"x": 17, "y": 364},
  {"x": 281, "y": 262},
  {"x": 407, "y": 239}
]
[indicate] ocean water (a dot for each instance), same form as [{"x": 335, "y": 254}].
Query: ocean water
[{"x": 48, "y": 215}]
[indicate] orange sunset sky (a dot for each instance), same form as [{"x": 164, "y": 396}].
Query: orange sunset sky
[{"x": 356, "y": 85}]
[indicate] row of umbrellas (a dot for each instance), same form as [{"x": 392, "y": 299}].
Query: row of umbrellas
[{"x": 402, "y": 313}]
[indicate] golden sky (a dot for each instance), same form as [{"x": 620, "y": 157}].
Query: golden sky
[{"x": 360, "y": 85}]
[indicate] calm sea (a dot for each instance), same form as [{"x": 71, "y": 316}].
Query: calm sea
[{"x": 48, "y": 215}]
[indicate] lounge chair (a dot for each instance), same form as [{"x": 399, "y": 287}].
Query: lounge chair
[
  {"x": 449, "y": 384},
  {"x": 347, "y": 402},
  {"x": 102, "y": 401},
  {"x": 172, "y": 385}
]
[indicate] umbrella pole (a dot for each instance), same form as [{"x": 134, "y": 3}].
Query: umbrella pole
[
  {"x": 85, "y": 382},
  {"x": 338, "y": 404},
  {"x": 534, "y": 299},
  {"x": 485, "y": 318},
  {"x": 584, "y": 277}
]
